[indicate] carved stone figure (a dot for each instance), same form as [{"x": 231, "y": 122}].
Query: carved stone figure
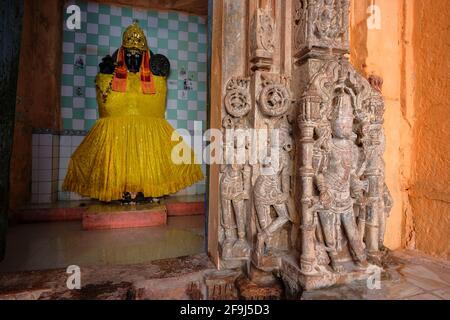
[
  {"x": 272, "y": 190},
  {"x": 327, "y": 22},
  {"x": 372, "y": 220},
  {"x": 234, "y": 190},
  {"x": 321, "y": 24},
  {"x": 272, "y": 187},
  {"x": 344, "y": 200},
  {"x": 324, "y": 223},
  {"x": 339, "y": 185},
  {"x": 235, "y": 176}
]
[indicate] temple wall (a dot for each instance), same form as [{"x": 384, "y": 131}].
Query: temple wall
[
  {"x": 38, "y": 92},
  {"x": 430, "y": 180},
  {"x": 379, "y": 52},
  {"x": 409, "y": 54}
]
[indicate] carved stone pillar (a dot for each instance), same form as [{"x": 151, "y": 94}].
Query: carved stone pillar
[
  {"x": 313, "y": 208},
  {"x": 340, "y": 146},
  {"x": 255, "y": 68}
]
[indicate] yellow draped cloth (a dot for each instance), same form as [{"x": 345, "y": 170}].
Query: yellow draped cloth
[{"x": 129, "y": 148}]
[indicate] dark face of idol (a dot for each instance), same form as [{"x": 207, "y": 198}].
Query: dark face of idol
[{"x": 133, "y": 60}]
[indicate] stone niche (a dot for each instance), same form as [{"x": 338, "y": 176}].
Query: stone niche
[{"x": 313, "y": 212}]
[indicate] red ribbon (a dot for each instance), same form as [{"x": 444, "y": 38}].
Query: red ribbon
[{"x": 119, "y": 82}]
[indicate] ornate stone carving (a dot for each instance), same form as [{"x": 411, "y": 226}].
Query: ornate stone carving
[
  {"x": 342, "y": 201},
  {"x": 344, "y": 198},
  {"x": 327, "y": 20},
  {"x": 263, "y": 39},
  {"x": 272, "y": 190},
  {"x": 299, "y": 21},
  {"x": 235, "y": 176},
  {"x": 234, "y": 190},
  {"x": 265, "y": 30},
  {"x": 237, "y": 98},
  {"x": 274, "y": 98},
  {"x": 322, "y": 24}
]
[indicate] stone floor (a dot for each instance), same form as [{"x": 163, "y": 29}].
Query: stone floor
[
  {"x": 409, "y": 276},
  {"x": 53, "y": 245},
  {"x": 98, "y": 282}
]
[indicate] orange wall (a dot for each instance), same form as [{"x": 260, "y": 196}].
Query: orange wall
[
  {"x": 379, "y": 52},
  {"x": 410, "y": 52},
  {"x": 430, "y": 187}
]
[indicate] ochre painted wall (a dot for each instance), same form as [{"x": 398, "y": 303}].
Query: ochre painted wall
[
  {"x": 379, "y": 52},
  {"x": 430, "y": 180},
  {"x": 410, "y": 52}
]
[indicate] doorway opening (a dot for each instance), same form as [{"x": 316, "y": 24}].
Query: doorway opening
[{"x": 53, "y": 228}]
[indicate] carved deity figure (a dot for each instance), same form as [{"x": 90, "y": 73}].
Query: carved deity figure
[
  {"x": 339, "y": 185},
  {"x": 234, "y": 190},
  {"x": 272, "y": 190}
]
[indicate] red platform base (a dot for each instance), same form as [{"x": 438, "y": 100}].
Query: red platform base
[
  {"x": 60, "y": 211},
  {"x": 185, "y": 209},
  {"x": 95, "y": 215},
  {"x": 117, "y": 217}
]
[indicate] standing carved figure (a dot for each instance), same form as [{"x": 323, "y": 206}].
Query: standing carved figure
[
  {"x": 234, "y": 190},
  {"x": 272, "y": 189},
  {"x": 372, "y": 217},
  {"x": 339, "y": 185}
]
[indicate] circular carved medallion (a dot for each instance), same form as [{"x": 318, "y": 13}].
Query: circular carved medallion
[
  {"x": 237, "y": 102},
  {"x": 274, "y": 100}
]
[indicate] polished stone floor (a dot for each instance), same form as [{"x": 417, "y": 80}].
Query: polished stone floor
[{"x": 55, "y": 245}]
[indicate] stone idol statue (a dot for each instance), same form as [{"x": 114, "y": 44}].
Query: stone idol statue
[{"x": 127, "y": 153}]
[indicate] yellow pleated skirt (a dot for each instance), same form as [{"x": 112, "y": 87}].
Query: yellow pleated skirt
[{"x": 129, "y": 149}]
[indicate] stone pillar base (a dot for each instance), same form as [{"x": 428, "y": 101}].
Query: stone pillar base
[{"x": 297, "y": 281}]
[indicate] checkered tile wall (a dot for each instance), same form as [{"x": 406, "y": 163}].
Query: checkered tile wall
[{"x": 180, "y": 37}]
